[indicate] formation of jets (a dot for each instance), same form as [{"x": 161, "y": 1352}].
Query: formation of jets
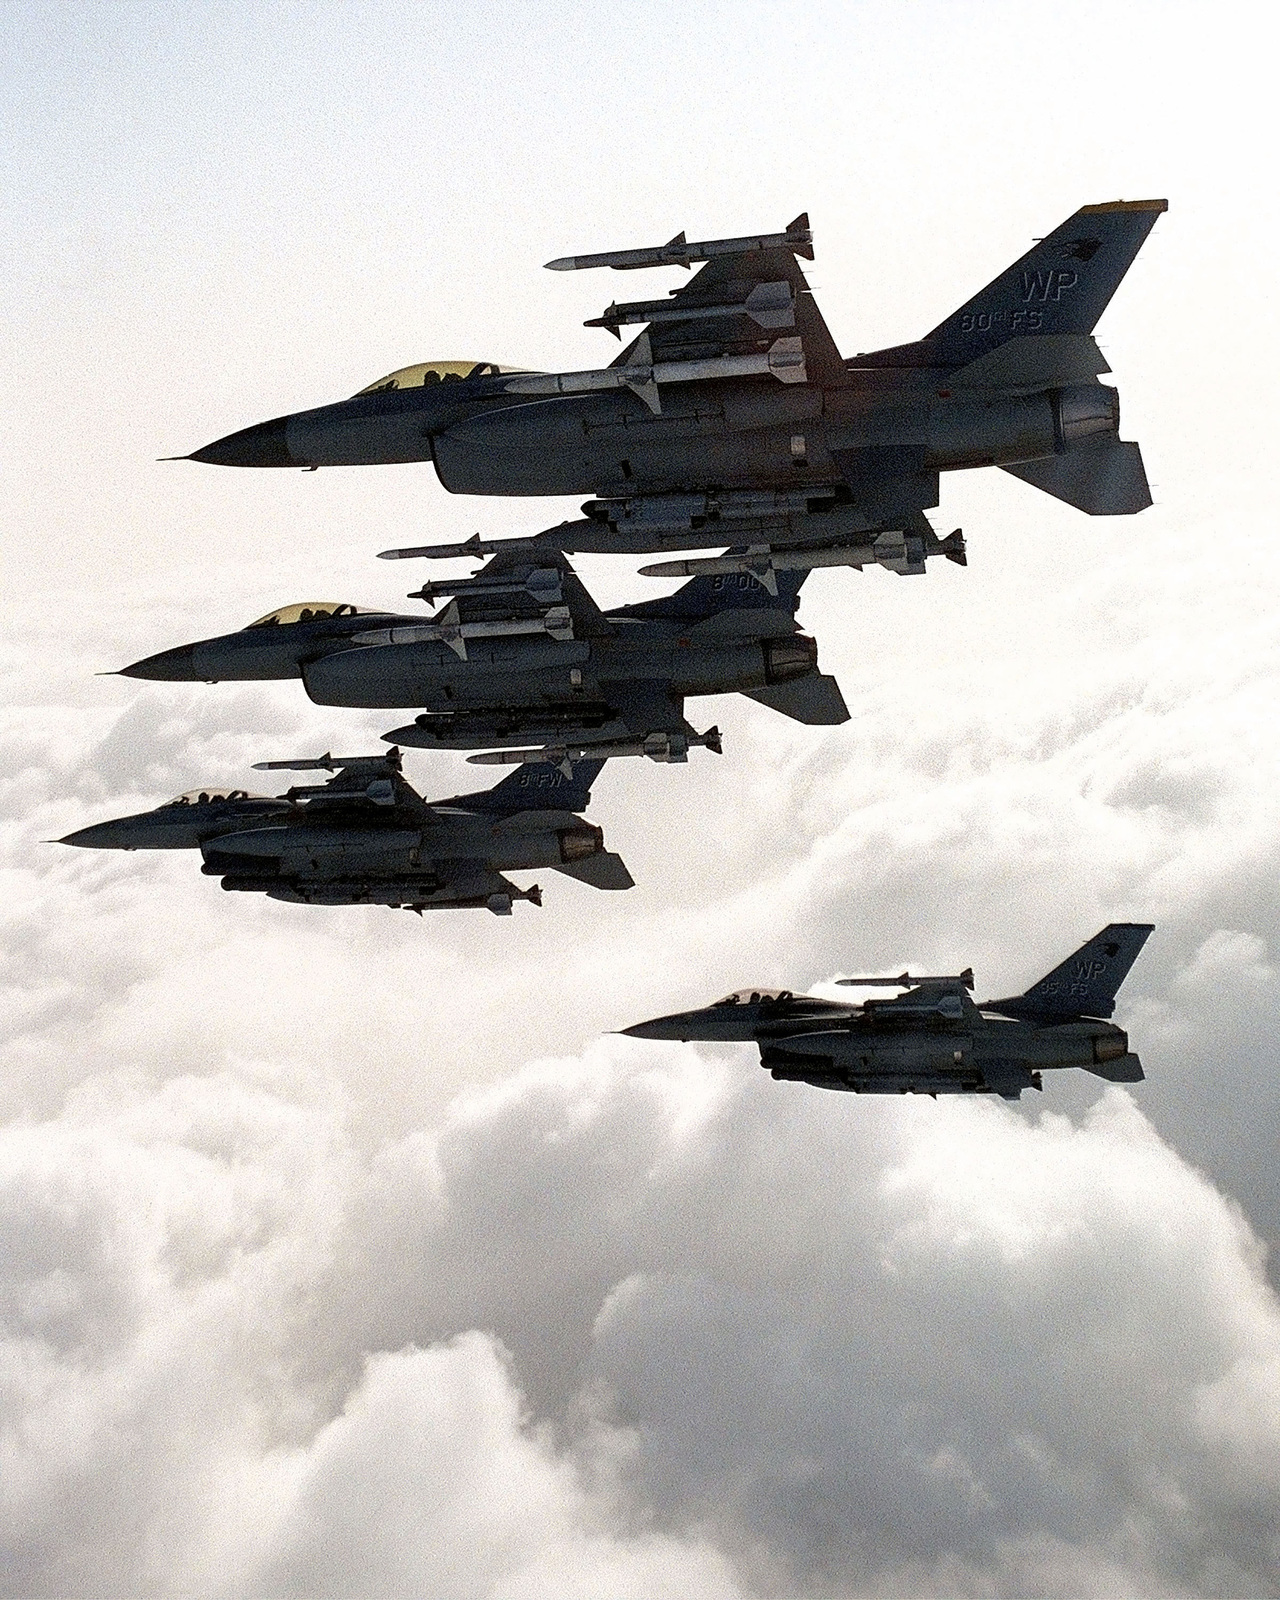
[{"x": 731, "y": 438}]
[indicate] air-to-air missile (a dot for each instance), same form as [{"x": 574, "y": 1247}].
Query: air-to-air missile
[
  {"x": 932, "y": 1038},
  {"x": 733, "y": 419},
  {"x": 522, "y": 655},
  {"x": 366, "y": 837}
]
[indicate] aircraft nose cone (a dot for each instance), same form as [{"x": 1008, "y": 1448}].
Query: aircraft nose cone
[
  {"x": 169, "y": 666},
  {"x": 99, "y": 836},
  {"x": 263, "y": 445},
  {"x": 659, "y": 1028}
]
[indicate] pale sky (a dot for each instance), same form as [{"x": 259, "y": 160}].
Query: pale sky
[{"x": 345, "y": 1251}]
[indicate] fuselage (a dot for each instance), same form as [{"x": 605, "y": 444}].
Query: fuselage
[
  {"x": 519, "y": 671},
  {"x": 739, "y": 434},
  {"x": 335, "y": 850}
]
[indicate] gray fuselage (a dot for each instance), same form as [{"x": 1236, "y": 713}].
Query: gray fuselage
[{"x": 711, "y": 435}]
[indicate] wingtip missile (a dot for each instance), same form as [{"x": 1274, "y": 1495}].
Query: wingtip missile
[
  {"x": 907, "y": 980},
  {"x": 902, "y": 553},
  {"x": 799, "y": 236},
  {"x": 324, "y": 763},
  {"x": 678, "y": 252},
  {"x": 500, "y": 903},
  {"x": 953, "y": 547},
  {"x": 392, "y": 757},
  {"x": 474, "y": 546},
  {"x": 612, "y": 319},
  {"x": 543, "y": 584}
]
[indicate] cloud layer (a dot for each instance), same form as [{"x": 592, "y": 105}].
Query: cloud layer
[{"x": 629, "y": 1327}]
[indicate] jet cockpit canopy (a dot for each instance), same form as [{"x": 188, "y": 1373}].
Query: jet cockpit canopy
[
  {"x": 310, "y": 611},
  {"x": 428, "y": 372},
  {"x": 204, "y": 797},
  {"x": 753, "y": 997}
]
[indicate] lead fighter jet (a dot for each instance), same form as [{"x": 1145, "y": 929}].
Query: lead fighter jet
[
  {"x": 932, "y": 1039},
  {"x": 733, "y": 420},
  {"x": 366, "y": 837}
]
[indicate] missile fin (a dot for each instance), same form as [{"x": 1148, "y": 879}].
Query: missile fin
[{"x": 648, "y": 392}]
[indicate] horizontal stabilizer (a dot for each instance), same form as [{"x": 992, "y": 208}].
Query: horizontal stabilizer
[
  {"x": 1106, "y": 478},
  {"x": 1124, "y": 1069},
  {"x": 758, "y": 624},
  {"x": 1053, "y": 360},
  {"x": 605, "y": 870},
  {"x": 815, "y": 700}
]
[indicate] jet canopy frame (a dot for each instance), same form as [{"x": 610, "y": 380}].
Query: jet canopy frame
[{"x": 423, "y": 373}]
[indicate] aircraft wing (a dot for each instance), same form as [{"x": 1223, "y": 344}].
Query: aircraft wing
[
  {"x": 357, "y": 782},
  {"x": 890, "y": 482},
  {"x": 750, "y": 299},
  {"x": 815, "y": 700},
  {"x": 472, "y": 879},
  {"x": 647, "y": 706},
  {"x": 523, "y": 579}
]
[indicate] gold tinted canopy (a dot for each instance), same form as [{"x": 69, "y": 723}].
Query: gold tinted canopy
[
  {"x": 427, "y": 372},
  {"x": 311, "y": 611}
]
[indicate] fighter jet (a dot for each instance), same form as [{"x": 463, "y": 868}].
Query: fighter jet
[
  {"x": 522, "y": 653},
  {"x": 366, "y": 837},
  {"x": 932, "y": 1039},
  {"x": 732, "y": 418}
]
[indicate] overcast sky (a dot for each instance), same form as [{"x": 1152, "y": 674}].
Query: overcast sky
[{"x": 346, "y": 1252}]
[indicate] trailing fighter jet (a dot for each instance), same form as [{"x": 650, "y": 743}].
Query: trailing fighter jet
[
  {"x": 523, "y": 653},
  {"x": 732, "y": 418},
  {"x": 366, "y": 837},
  {"x": 932, "y": 1039}
]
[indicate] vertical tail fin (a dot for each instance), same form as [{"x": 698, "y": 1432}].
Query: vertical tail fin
[
  {"x": 1061, "y": 285},
  {"x": 540, "y": 786},
  {"x": 711, "y": 592},
  {"x": 1085, "y": 984}
]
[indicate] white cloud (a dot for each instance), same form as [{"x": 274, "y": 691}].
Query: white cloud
[
  {"x": 431, "y": 1481},
  {"x": 761, "y": 1341}
]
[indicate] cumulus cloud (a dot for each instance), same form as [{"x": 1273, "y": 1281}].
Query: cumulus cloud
[
  {"x": 632, "y": 1326},
  {"x": 431, "y": 1480}
]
